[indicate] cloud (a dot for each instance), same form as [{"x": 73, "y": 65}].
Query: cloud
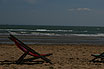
[{"x": 79, "y": 9}]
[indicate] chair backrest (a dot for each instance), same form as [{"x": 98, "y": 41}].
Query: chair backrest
[
  {"x": 24, "y": 47},
  {"x": 19, "y": 45}
]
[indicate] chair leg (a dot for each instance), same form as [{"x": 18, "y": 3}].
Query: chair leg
[
  {"x": 93, "y": 59},
  {"x": 30, "y": 59},
  {"x": 20, "y": 60},
  {"x": 102, "y": 59}
]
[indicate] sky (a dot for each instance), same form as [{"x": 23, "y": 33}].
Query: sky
[{"x": 52, "y": 12}]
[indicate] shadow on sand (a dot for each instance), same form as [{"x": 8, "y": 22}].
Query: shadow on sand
[{"x": 23, "y": 63}]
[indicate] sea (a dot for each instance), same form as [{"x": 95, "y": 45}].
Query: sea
[{"x": 43, "y": 34}]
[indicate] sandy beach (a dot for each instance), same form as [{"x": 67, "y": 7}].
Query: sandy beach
[{"x": 65, "y": 56}]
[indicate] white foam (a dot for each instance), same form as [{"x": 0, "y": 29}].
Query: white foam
[
  {"x": 53, "y": 30},
  {"x": 88, "y": 35},
  {"x": 40, "y": 30},
  {"x": 14, "y": 30}
]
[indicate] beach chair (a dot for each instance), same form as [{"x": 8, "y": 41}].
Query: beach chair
[
  {"x": 98, "y": 57},
  {"x": 28, "y": 51}
]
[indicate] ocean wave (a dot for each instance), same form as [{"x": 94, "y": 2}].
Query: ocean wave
[
  {"x": 59, "y": 30},
  {"x": 88, "y": 35},
  {"x": 14, "y": 29},
  {"x": 54, "y": 30},
  {"x": 53, "y": 34}
]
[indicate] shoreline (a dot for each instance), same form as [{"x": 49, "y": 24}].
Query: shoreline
[
  {"x": 55, "y": 40},
  {"x": 55, "y": 44}
]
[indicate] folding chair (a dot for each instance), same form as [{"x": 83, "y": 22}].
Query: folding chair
[
  {"x": 28, "y": 51},
  {"x": 98, "y": 56}
]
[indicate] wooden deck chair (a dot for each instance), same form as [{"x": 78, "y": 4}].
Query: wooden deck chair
[
  {"x": 98, "y": 56},
  {"x": 28, "y": 51}
]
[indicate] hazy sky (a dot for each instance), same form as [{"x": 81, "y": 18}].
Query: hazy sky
[{"x": 52, "y": 12}]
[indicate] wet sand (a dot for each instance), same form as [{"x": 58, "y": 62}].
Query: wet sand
[
  {"x": 65, "y": 56},
  {"x": 44, "y": 39}
]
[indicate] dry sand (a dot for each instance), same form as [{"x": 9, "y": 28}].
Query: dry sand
[{"x": 64, "y": 56}]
